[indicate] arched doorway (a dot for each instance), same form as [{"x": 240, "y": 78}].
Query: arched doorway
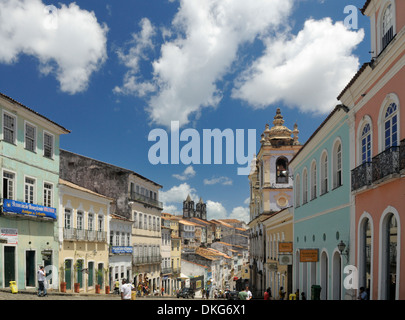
[{"x": 324, "y": 275}]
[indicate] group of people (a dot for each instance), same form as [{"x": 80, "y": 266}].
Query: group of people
[{"x": 282, "y": 294}]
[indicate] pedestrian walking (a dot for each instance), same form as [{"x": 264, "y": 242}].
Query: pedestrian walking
[
  {"x": 267, "y": 294},
  {"x": 126, "y": 290},
  {"x": 117, "y": 287},
  {"x": 362, "y": 294},
  {"x": 207, "y": 293},
  {"x": 41, "y": 282},
  {"x": 281, "y": 293}
]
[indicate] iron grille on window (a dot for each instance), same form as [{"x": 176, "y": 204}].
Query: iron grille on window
[{"x": 388, "y": 36}]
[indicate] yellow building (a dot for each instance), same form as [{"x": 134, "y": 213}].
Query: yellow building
[
  {"x": 279, "y": 247},
  {"x": 83, "y": 246}
]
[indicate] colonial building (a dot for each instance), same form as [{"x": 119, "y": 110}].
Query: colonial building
[
  {"x": 199, "y": 211},
  {"x": 322, "y": 207},
  {"x": 29, "y": 162},
  {"x": 135, "y": 197},
  {"x": 376, "y": 98},
  {"x": 279, "y": 251},
  {"x": 270, "y": 190},
  {"x": 83, "y": 243}
]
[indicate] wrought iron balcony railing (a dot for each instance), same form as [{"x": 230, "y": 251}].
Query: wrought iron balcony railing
[
  {"x": 386, "y": 163},
  {"x": 390, "y": 161},
  {"x": 362, "y": 176},
  {"x": 84, "y": 235},
  {"x": 140, "y": 197}
]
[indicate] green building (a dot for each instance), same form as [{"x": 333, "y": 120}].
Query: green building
[{"x": 29, "y": 162}]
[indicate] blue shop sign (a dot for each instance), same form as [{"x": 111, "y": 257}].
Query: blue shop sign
[
  {"x": 120, "y": 249},
  {"x": 28, "y": 209}
]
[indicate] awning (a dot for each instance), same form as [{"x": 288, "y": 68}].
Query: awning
[{"x": 183, "y": 276}]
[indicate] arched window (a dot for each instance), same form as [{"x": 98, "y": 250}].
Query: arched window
[
  {"x": 366, "y": 143},
  {"x": 324, "y": 173},
  {"x": 282, "y": 170},
  {"x": 389, "y": 257},
  {"x": 297, "y": 191},
  {"x": 365, "y": 236},
  {"x": 391, "y": 126},
  {"x": 387, "y": 26},
  {"x": 313, "y": 180},
  {"x": 337, "y": 165},
  {"x": 304, "y": 186}
]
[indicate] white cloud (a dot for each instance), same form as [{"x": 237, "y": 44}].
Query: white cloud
[
  {"x": 177, "y": 194},
  {"x": 215, "y": 210},
  {"x": 222, "y": 180},
  {"x": 188, "y": 173},
  {"x": 306, "y": 71},
  {"x": 240, "y": 213},
  {"x": 204, "y": 44},
  {"x": 68, "y": 41}
]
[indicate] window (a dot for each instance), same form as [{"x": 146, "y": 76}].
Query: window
[
  {"x": 145, "y": 222},
  {"x": 366, "y": 144},
  {"x": 8, "y": 185},
  {"x": 9, "y": 130},
  {"x": 313, "y": 181},
  {"x": 140, "y": 221},
  {"x": 387, "y": 26},
  {"x": 324, "y": 173},
  {"x": 100, "y": 223},
  {"x": 297, "y": 191},
  {"x": 111, "y": 238},
  {"x": 30, "y": 137},
  {"x": 90, "y": 222},
  {"x": 117, "y": 238},
  {"x": 281, "y": 170},
  {"x": 305, "y": 186},
  {"x": 29, "y": 188},
  {"x": 48, "y": 145},
  {"x": 79, "y": 224},
  {"x": 68, "y": 219},
  {"x": 337, "y": 165},
  {"x": 391, "y": 126},
  {"x": 135, "y": 219},
  {"x": 48, "y": 194}
]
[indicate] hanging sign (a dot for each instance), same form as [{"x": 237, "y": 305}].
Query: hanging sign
[{"x": 28, "y": 209}]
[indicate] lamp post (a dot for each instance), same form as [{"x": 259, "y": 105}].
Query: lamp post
[{"x": 341, "y": 247}]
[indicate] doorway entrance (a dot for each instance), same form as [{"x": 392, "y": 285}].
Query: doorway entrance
[
  {"x": 9, "y": 265},
  {"x": 30, "y": 268}
]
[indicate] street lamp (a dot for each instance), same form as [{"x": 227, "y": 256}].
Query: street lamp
[{"x": 341, "y": 247}]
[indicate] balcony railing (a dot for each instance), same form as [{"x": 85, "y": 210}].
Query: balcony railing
[
  {"x": 362, "y": 176},
  {"x": 146, "y": 260},
  {"x": 140, "y": 197},
  {"x": 388, "y": 162},
  {"x": 167, "y": 270},
  {"x": 83, "y": 235}
]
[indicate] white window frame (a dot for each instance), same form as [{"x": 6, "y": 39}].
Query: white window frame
[
  {"x": 53, "y": 144},
  {"x": 304, "y": 186},
  {"x": 390, "y": 98},
  {"x": 323, "y": 170},
  {"x": 47, "y": 195},
  {"x": 380, "y": 35},
  {"x": 34, "y": 189},
  {"x": 27, "y": 123},
  {"x": 13, "y": 184},
  {"x": 15, "y": 130},
  {"x": 337, "y": 166},
  {"x": 68, "y": 213},
  {"x": 313, "y": 179},
  {"x": 81, "y": 225}
]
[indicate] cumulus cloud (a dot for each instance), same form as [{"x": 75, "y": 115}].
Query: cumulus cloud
[
  {"x": 68, "y": 41},
  {"x": 306, "y": 71},
  {"x": 205, "y": 37},
  {"x": 222, "y": 180},
  {"x": 188, "y": 173},
  {"x": 215, "y": 210},
  {"x": 240, "y": 213}
]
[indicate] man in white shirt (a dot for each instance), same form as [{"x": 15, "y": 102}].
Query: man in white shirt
[
  {"x": 41, "y": 282},
  {"x": 126, "y": 290}
]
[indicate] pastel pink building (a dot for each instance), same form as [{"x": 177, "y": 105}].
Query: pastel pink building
[{"x": 376, "y": 98}]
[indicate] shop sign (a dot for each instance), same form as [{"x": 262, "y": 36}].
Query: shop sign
[
  {"x": 9, "y": 235},
  {"x": 285, "y": 247},
  {"x": 28, "y": 209},
  {"x": 121, "y": 249},
  {"x": 309, "y": 255}
]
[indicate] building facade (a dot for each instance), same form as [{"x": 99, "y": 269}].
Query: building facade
[
  {"x": 322, "y": 207},
  {"x": 376, "y": 100},
  {"x": 270, "y": 190},
  {"x": 29, "y": 162},
  {"x": 83, "y": 244}
]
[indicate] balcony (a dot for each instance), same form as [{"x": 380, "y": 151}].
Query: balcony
[
  {"x": 74, "y": 234},
  {"x": 387, "y": 163},
  {"x": 166, "y": 270},
  {"x": 144, "y": 199},
  {"x": 362, "y": 176},
  {"x": 146, "y": 260}
]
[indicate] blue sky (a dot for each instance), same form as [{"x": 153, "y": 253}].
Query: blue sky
[{"x": 112, "y": 71}]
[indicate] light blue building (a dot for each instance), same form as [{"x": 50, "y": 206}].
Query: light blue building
[
  {"x": 322, "y": 208},
  {"x": 29, "y": 163}
]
